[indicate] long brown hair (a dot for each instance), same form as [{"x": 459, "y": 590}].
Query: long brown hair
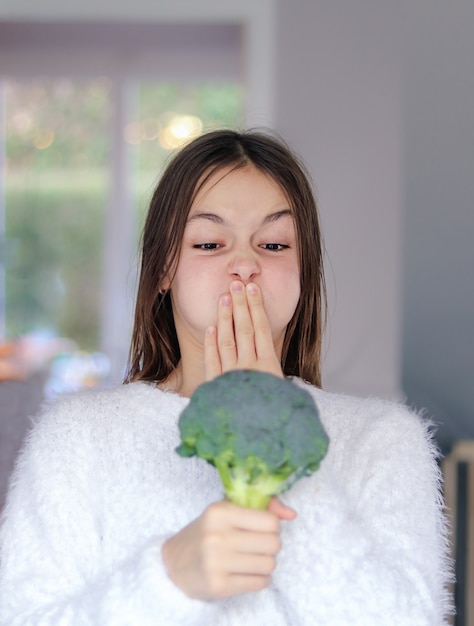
[{"x": 154, "y": 351}]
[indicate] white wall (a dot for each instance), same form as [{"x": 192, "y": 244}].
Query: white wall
[
  {"x": 338, "y": 102},
  {"x": 378, "y": 96},
  {"x": 438, "y": 243}
]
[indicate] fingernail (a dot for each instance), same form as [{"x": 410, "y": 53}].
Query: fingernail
[
  {"x": 252, "y": 289},
  {"x": 226, "y": 300},
  {"x": 237, "y": 287}
]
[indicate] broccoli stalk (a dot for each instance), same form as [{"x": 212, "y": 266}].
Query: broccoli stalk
[
  {"x": 261, "y": 432},
  {"x": 248, "y": 482}
]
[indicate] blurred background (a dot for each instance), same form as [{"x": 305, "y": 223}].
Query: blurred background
[{"x": 377, "y": 96}]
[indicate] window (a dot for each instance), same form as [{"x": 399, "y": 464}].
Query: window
[{"x": 90, "y": 115}]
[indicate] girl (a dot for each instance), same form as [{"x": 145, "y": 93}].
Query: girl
[{"x": 106, "y": 525}]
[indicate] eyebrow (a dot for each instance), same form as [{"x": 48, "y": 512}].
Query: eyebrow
[{"x": 217, "y": 219}]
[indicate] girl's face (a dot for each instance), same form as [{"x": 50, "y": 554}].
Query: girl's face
[{"x": 239, "y": 227}]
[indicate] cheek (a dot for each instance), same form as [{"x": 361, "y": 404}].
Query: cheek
[
  {"x": 195, "y": 297},
  {"x": 282, "y": 298}
]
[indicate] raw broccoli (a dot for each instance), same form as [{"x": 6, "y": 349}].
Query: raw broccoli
[{"x": 261, "y": 432}]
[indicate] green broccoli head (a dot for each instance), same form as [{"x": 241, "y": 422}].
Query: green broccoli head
[{"x": 261, "y": 432}]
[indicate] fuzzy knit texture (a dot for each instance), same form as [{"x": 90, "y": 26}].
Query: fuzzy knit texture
[{"x": 99, "y": 487}]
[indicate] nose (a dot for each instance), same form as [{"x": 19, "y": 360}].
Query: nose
[{"x": 244, "y": 266}]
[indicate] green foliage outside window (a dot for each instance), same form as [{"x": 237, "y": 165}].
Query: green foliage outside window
[{"x": 57, "y": 181}]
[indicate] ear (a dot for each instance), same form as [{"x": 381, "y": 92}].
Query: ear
[{"x": 165, "y": 285}]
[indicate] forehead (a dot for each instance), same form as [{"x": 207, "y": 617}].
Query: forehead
[{"x": 232, "y": 185}]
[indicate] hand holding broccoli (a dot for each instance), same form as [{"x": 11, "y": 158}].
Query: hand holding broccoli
[
  {"x": 226, "y": 551},
  {"x": 261, "y": 432}
]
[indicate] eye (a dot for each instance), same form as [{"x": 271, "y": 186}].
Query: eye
[
  {"x": 207, "y": 246},
  {"x": 274, "y": 247}
]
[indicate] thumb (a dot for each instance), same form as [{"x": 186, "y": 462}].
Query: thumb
[{"x": 282, "y": 511}]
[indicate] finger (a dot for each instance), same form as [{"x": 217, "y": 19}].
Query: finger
[
  {"x": 246, "y": 542},
  {"x": 212, "y": 362},
  {"x": 263, "y": 340},
  {"x": 252, "y": 564},
  {"x": 244, "y": 518},
  {"x": 225, "y": 334},
  {"x": 239, "y": 584},
  {"x": 243, "y": 325},
  {"x": 282, "y": 511},
  {"x": 263, "y": 334},
  {"x": 236, "y": 584}
]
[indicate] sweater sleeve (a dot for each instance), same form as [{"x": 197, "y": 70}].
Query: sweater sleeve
[
  {"x": 369, "y": 545},
  {"x": 52, "y": 569}
]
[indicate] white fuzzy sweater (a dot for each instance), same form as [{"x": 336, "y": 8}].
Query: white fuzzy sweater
[{"x": 99, "y": 488}]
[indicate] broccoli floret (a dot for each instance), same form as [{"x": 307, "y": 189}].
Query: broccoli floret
[{"x": 261, "y": 432}]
